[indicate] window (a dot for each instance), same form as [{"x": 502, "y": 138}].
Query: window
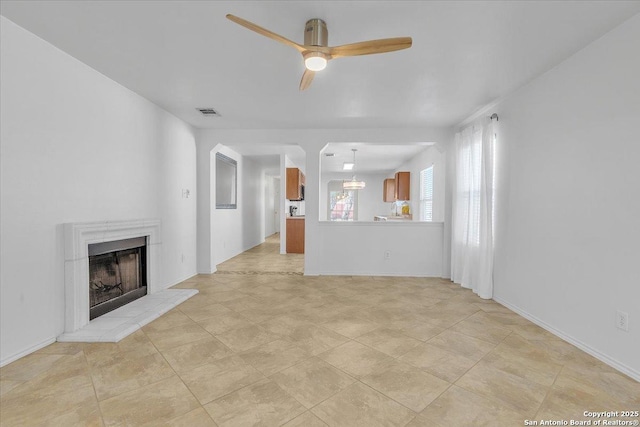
[
  {"x": 342, "y": 204},
  {"x": 426, "y": 194}
]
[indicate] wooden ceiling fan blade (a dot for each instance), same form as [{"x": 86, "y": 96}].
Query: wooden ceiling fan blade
[
  {"x": 307, "y": 78},
  {"x": 263, "y": 31},
  {"x": 371, "y": 47}
]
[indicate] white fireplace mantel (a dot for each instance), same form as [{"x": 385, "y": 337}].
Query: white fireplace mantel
[{"x": 78, "y": 237}]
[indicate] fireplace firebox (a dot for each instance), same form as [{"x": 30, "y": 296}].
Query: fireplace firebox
[{"x": 117, "y": 274}]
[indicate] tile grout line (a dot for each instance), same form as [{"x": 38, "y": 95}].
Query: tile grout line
[
  {"x": 95, "y": 392},
  {"x": 490, "y": 398},
  {"x": 177, "y": 376},
  {"x": 548, "y": 391},
  {"x": 358, "y": 379}
]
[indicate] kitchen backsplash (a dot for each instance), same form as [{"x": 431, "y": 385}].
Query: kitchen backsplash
[{"x": 299, "y": 205}]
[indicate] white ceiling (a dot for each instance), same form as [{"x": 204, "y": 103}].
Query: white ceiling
[
  {"x": 370, "y": 158},
  {"x": 185, "y": 54},
  {"x": 268, "y": 155}
]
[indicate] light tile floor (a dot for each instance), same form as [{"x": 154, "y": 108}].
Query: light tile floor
[{"x": 263, "y": 345}]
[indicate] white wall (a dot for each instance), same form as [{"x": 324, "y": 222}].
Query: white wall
[
  {"x": 358, "y": 248},
  {"x": 226, "y": 224},
  {"x": 567, "y": 246},
  {"x": 434, "y": 155},
  {"x": 284, "y": 161},
  {"x": 253, "y": 207},
  {"x": 271, "y": 195},
  {"x": 277, "y": 198},
  {"x": 77, "y": 147},
  {"x": 370, "y": 201},
  {"x": 236, "y": 230}
]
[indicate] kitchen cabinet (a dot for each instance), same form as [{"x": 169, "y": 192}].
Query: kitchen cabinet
[
  {"x": 295, "y": 235},
  {"x": 403, "y": 186},
  {"x": 389, "y": 190},
  {"x": 295, "y": 184}
]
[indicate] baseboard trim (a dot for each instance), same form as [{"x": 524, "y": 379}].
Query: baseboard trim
[
  {"x": 359, "y": 273},
  {"x": 316, "y": 273},
  {"x": 53, "y": 339},
  {"x": 205, "y": 272},
  {"x": 582, "y": 346},
  {"x": 28, "y": 351},
  {"x": 189, "y": 276}
]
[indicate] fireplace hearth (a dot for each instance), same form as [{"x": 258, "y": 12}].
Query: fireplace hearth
[{"x": 117, "y": 274}]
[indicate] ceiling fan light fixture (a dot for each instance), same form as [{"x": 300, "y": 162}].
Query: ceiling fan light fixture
[{"x": 315, "y": 61}]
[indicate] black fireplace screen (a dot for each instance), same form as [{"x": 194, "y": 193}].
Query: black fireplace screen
[{"x": 117, "y": 274}]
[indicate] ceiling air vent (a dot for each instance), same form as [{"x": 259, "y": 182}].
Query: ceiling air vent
[
  {"x": 208, "y": 112},
  {"x": 329, "y": 154}
]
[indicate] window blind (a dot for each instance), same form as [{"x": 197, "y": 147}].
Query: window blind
[{"x": 426, "y": 194}]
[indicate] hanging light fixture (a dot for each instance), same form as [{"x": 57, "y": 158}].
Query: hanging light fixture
[{"x": 353, "y": 184}]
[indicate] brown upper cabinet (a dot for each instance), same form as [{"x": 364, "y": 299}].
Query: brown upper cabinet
[
  {"x": 389, "y": 190},
  {"x": 295, "y": 184},
  {"x": 403, "y": 186}
]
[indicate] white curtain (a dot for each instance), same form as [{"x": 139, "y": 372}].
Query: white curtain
[{"x": 473, "y": 205}]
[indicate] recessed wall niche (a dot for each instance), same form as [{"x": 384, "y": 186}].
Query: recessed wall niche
[{"x": 226, "y": 182}]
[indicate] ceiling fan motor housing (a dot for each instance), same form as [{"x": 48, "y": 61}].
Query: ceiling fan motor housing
[{"x": 315, "y": 33}]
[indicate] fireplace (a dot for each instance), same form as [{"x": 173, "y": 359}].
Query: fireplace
[
  {"x": 80, "y": 243},
  {"x": 117, "y": 274}
]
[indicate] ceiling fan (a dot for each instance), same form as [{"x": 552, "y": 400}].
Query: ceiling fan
[{"x": 315, "y": 51}]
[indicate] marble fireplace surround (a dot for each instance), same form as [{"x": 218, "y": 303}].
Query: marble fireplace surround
[{"x": 117, "y": 324}]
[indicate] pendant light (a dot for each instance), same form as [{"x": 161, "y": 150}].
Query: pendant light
[{"x": 353, "y": 184}]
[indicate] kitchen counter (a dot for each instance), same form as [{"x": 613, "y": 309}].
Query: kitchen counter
[
  {"x": 296, "y": 217},
  {"x": 393, "y": 218}
]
